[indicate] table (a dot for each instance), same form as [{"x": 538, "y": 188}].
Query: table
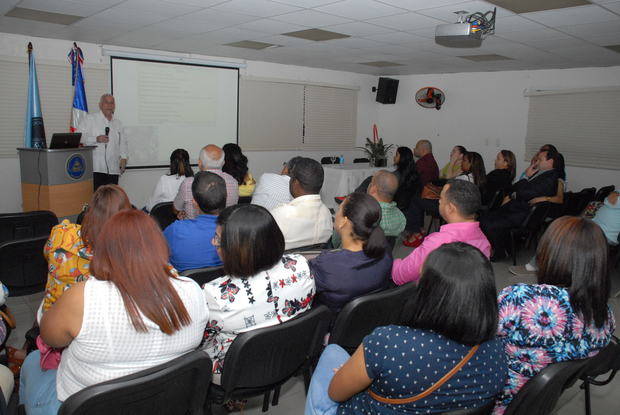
[{"x": 342, "y": 179}]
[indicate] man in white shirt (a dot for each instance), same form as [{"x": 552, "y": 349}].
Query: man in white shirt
[
  {"x": 272, "y": 190},
  {"x": 106, "y": 133},
  {"x": 305, "y": 220}
]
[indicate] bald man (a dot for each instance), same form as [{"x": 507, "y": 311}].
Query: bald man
[
  {"x": 211, "y": 159},
  {"x": 426, "y": 166}
]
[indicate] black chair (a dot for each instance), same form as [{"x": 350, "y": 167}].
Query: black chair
[
  {"x": 315, "y": 247},
  {"x": 529, "y": 229},
  {"x": 603, "y": 192},
  {"x": 23, "y": 225},
  {"x": 24, "y": 268},
  {"x": 575, "y": 203},
  {"x": 328, "y": 160},
  {"x": 541, "y": 393},
  {"x": 245, "y": 200},
  {"x": 361, "y": 160},
  {"x": 606, "y": 361},
  {"x": 177, "y": 387},
  {"x": 163, "y": 214},
  {"x": 362, "y": 315},
  {"x": 261, "y": 360},
  {"x": 496, "y": 200},
  {"x": 204, "y": 275},
  {"x": 483, "y": 410}
]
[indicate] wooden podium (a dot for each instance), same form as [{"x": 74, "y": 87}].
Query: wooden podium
[{"x": 60, "y": 180}]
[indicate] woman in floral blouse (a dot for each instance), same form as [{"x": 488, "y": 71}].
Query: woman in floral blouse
[
  {"x": 69, "y": 248},
  {"x": 563, "y": 317},
  {"x": 262, "y": 287}
]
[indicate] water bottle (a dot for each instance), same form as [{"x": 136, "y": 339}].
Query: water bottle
[{"x": 341, "y": 159}]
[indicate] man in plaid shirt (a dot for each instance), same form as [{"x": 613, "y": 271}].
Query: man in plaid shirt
[{"x": 211, "y": 159}]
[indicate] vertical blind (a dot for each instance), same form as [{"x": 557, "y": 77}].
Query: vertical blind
[{"x": 583, "y": 124}]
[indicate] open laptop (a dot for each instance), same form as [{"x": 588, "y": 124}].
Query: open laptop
[{"x": 65, "y": 140}]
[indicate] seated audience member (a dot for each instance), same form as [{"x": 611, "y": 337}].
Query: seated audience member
[
  {"x": 453, "y": 319},
  {"x": 458, "y": 204},
  {"x": 608, "y": 217},
  {"x": 382, "y": 187},
  {"x": 272, "y": 189},
  {"x": 473, "y": 169},
  {"x": 364, "y": 263},
  {"x": 426, "y": 166},
  {"x": 501, "y": 178},
  {"x": 453, "y": 167},
  {"x": 262, "y": 287},
  {"x": 563, "y": 317},
  {"x": 134, "y": 301},
  {"x": 190, "y": 240},
  {"x": 211, "y": 159},
  {"x": 69, "y": 249},
  {"x": 541, "y": 181},
  {"x": 534, "y": 160},
  {"x": 236, "y": 164},
  {"x": 305, "y": 220},
  {"x": 168, "y": 185}
]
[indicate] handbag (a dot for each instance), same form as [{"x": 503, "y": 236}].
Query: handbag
[
  {"x": 433, "y": 388},
  {"x": 430, "y": 191},
  {"x": 50, "y": 356}
]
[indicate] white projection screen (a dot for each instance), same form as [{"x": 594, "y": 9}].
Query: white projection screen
[{"x": 168, "y": 105}]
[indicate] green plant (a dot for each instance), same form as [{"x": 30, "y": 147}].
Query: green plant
[{"x": 376, "y": 149}]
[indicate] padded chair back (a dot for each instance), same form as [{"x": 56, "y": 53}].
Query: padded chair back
[
  {"x": 23, "y": 225},
  {"x": 606, "y": 360},
  {"x": 176, "y": 387},
  {"x": 328, "y": 160},
  {"x": 204, "y": 275},
  {"x": 315, "y": 247},
  {"x": 603, "y": 192},
  {"x": 24, "y": 268},
  {"x": 361, "y": 160},
  {"x": 575, "y": 203},
  {"x": 541, "y": 393},
  {"x": 245, "y": 200},
  {"x": 536, "y": 218},
  {"x": 496, "y": 200},
  {"x": 261, "y": 359},
  {"x": 163, "y": 214},
  {"x": 363, "y": 314}
]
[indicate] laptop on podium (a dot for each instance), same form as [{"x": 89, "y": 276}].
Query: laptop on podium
[{"x": 65, "y": 140}]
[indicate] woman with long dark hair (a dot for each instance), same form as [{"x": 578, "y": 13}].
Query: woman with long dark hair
[
  {"x": 236, "y": 164},
  {"x": 473, "y": 169},
  {"x": 408, "y": 180},
  {"x": 452, "y": 319},
  {"x": 168, "y": 185},
  {"x": 134, "y": 313},
  {"x": 364, "y": 263},
  {"x": 565, "y": 315}
]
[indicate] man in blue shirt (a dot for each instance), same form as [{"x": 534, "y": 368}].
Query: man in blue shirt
[{"x": 189, "y": 240}]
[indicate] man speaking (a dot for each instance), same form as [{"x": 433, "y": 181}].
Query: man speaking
[{"x": 105, "y": 132}]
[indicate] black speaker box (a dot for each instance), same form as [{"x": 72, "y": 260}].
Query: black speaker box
[{"x": 386, "y": 92}]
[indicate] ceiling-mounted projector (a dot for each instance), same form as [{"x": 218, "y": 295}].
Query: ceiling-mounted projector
[{"x": 468, "y": 31}]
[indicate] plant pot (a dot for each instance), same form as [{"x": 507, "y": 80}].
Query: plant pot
[{"x": 379, "y": 162}]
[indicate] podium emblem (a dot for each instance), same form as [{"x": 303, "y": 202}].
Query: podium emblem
[{"x": 76, "y": 166}]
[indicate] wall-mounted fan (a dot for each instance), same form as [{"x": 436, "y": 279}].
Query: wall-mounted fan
[{"x": 430, "y": 97}]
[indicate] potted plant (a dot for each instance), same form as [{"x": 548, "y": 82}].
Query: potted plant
[{"x": 376, "y": 150}]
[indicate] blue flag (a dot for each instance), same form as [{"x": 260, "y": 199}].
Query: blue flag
[
  {"x": 80, "y": 106},
  {"x": 34, "y": 131}
]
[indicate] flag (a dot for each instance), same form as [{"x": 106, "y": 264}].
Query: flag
[
  {"x": 34, "y": 131},
  {"x": 80, "y": 106}
]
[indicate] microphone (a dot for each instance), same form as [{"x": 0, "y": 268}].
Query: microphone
[{"x": 107, "y": 131}]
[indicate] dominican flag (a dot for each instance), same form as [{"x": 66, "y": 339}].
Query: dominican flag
[
  {"x": 80, "y": 107},
  {"x": 34, "y": 132}
]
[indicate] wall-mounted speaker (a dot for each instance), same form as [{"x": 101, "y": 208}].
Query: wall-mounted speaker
[{"x": 387, "y": 90}]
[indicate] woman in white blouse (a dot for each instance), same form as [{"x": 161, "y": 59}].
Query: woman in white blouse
[
  {"x": 473, "y": 169},
  {"x": 168, "y": 185},
  {"x": 262, "y": 287},
  {"x": 134, "y": 313}
]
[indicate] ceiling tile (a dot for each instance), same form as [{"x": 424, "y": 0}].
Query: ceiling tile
[
  {"x": 398, "y": 38},
  {"x": 181, "y": 24},
  {"x": 360, "y": 9},
  {"x": 515, "y": 24},
  {"x": 114, "y": 15},
  {"x": 533, "y": 35},
  {"x": 573, "y": 15},
  {"x": 230, "y": 34},
  {"x": 355, "y": 43},
  {"x": 525, "y": 6},
  {"x": 446, "y": 13},
  {"x": 260, "y": 8},
  {"x": 272, "y": 27},
  {"x": 286, "y": 40},
  {"x": 317, "y": 35},
  {"x": 158, "y": 7},
  {"x": 29, "y": 27},
  {"x": 607, "y": 39},
  {"x": 414, "y": 5},
  {"x": 586, "y": 31},
  {"x": 358, "y": 29},
  {"x": 197, "y": 3},
  {"x": 7, "y": 5},
  {"x": 62, "y": 6},
  {"x": 406, "y": 21},
  {"x": 312, "y": 18},
  {"x": 306, "y": 3},
  {"x": 216, "y": 18},
  {"x": 148, "y": 36},
  {"x": 614, "y": 7}
]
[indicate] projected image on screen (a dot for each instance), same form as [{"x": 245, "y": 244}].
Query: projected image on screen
[{"x": 164, "y": 106}]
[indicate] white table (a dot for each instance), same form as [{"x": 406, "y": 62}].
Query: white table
[{"x": 342, "y": 179}]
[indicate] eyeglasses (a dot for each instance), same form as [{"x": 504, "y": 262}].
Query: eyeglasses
[{"x": 215, "y": 241}]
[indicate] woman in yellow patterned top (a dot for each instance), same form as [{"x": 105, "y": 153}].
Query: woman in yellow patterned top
[
  {"x": 70, "y": 246},
  {"x": 236, "y": 164}
]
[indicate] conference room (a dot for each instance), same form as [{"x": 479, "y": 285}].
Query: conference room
[{"x": 370, "y": 143}]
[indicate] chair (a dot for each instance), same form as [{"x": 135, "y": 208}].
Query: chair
[
  {"x": 24, "y": 268},
  {"x": 483, "y": 410},
  {"x": 603, "y": 192},
  {"x": 24, "y": 225},
  {"x": 530, "y": 227},
  {"x": 328, "y": 160},
  {"x": 575, "y": 203},
  {"x": 177, "y": 387},
  {"x": 315, "y": 247},
  {"x": 163, "y": 214},
  {"x": 496, "y": 200},
  {"x": 204, "y": 275},
  {"x": 245, "y": 200},
  {"x": 541, "y": 393},
  {"x": 361, "y": 160},
  {"x": 261, "y": 360},
  {"x": 607, "y": 360},
  {"x": 362, "y": 315}
]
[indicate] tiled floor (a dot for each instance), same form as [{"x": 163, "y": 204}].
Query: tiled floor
[{"x": 605, "y": 400}]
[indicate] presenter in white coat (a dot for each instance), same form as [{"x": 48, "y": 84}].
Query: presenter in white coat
[{"x": 106, "y": 133}]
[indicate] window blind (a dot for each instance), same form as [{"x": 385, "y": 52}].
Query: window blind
[
  {"x": 583, "y": 124},
  {"x": 329, "y": 118}
]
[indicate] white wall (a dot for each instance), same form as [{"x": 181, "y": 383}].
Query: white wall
[{"x": 487, "y": 112}]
